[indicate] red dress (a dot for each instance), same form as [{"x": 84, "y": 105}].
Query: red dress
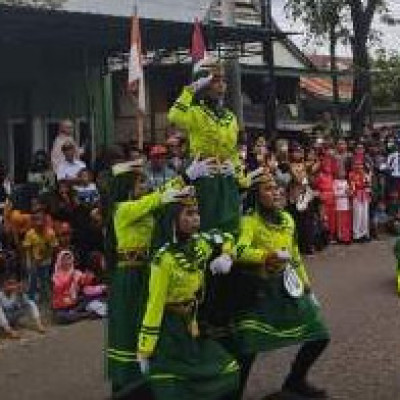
[
  {"x": 324, "y": 185},
  {"x": 343, "y": 212}
]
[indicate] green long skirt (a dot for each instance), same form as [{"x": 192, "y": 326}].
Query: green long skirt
[
  {"x": 126, "y": 306},
  {"x": 275, "y": 319},
  {"x": 186, "y": 368},
  {"x": 219, "y": 203}
]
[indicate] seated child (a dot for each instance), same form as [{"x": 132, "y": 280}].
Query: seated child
[
  {"x": 94, "y": 292},
  {"x": 14, "y": 304},
  {"x": 86, "y": 192},
  {"x": 68, "y": 306}
]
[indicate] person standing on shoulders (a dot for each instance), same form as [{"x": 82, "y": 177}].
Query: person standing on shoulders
[{"x": 212, "y": 133}]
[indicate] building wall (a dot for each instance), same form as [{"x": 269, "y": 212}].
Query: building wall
[{"x": 41, "y": 87}]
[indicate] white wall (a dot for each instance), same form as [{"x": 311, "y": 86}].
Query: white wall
[{"x": 171, "y": 10}]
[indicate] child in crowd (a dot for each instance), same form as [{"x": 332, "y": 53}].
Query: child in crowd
[
  {"x": 65, "y": 242},
  {"x": 86, "y": 191},
  {"x": 94, "y": 292},
  {"x": 380, "y": 219},
  {"x": 67, "y": 301},
  {"x": 360, "y": 186},
  {"x": 15, "y": 304},
  {"x": 323, "y": 184},
  {"x": 393, "y": 211},
  {"x": 63, "y": 204},
  {"x": 64, "y": 236},
  {"x": 39, "y": 244},
  {"x": 343, "y": 213}
]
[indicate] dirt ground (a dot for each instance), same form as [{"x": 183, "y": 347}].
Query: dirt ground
[{"x": 355, "y": 285}]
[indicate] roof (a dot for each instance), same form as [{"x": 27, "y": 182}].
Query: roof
[
  {"x": 167, "y": 10},
  {"x": 324, "y": 62},
  {"x": 322, "y": 88},
  {"x": 27, "y": 25}
]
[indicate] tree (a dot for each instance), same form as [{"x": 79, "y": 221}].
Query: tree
[
  {"x": 362, "y": 14},
  {"x": 324, "y": 21},
  {"x": 316, "y": 15},
  {"x": 386, "y": 78}
]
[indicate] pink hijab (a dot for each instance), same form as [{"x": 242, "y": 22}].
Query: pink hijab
[{"x": 63, "y": 277}]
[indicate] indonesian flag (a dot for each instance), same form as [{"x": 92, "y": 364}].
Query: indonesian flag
[
  {"x": 198, "y": 50},
  {"x": 136, "y": 76}
]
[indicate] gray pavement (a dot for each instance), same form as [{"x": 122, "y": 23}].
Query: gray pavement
[{"x": 355, "y": 285}]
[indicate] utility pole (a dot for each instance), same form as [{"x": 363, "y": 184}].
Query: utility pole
[
  {"x": 228, "y": 8},
  {"x": 269, "y": 82}
]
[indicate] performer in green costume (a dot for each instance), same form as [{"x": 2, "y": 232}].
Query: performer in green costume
[
  {"x": 179, "y": 362},
  {"x": 212, "y": 132},
  {"x": 129, "y": 228},
  {"x": 282, "y": 311}
]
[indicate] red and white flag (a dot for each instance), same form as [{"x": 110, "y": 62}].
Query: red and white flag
[
  {"x": 136, "y": 75},
  {"x": 198, "y": 50}
]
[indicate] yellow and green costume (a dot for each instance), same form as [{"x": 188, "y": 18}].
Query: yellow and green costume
[
  {"x": 212, "y": 134},
  {"x": 133, "y": 225},
  {"x": 270, "y": 318},
  {"x": 183, "y": 365}
]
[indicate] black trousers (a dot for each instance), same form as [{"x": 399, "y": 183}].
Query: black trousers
[
  {"x": 305, "y": 359},
  {"x": 305, "y": 231},
  {"x": 141, "y": 393}
]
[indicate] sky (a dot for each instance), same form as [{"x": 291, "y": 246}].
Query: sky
[{"x": 390, "y": 35}]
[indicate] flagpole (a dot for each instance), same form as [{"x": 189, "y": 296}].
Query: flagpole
[{"x": 140, "y": 115}]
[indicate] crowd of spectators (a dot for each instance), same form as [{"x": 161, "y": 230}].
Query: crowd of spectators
[{"x": 51, "y": 231}]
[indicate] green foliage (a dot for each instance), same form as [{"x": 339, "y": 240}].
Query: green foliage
[
  {"x": 319, "y": 17},
  {"x": 386, "y": 78}
]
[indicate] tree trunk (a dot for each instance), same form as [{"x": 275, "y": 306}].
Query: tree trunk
[
  {"x": 361, "y": 108},
  {"x": 361, "y": 102},
  {"x": 335, "y": 82}
]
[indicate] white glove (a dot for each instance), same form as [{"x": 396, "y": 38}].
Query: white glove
[
  {"x": 144, "y": 364},
  {"x": 201, "y": 83},
  {"x": 283, "y": 255},
  {"x": 221, "y": 265},
  {"x": 200, "y": 169},
  {"x": 314, "y": 299},
  {"x": 256, "y": 175},
  {"x": 227, "y": 168},
  {"x": 175, "y": 195}
]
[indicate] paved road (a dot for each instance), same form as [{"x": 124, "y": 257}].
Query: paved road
[{"x": 356, "y": 288}]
